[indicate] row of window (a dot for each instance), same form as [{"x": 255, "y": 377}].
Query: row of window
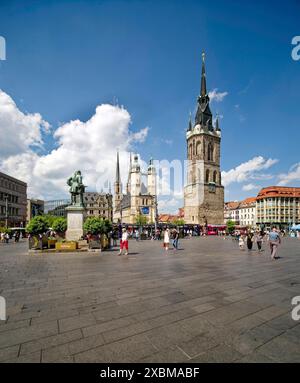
[
  {"x": 209, "y": 176},
  {"x": 12, "y": 211},
  {"x": 12, "y": 185},
  {"x": 195, "y": 149},
  {"x": 10, "y": 197}
]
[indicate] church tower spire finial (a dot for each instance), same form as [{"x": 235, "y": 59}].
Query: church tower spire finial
[
  {"x": 203, "y": 91},
  {"x": 118, "y": 169}
]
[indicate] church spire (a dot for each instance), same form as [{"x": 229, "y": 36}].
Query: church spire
[
  {"x": 190, "y": 126},
  {"x": 203, "y": 91},
  {"x": 203, "y": 115},
  {"x": 118, "y": 180}
]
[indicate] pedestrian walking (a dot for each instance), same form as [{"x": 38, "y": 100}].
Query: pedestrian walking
[
  {"x": 175, "y": 239},
  {"x": 6, "y": 238},
  {"x": 274, "y": 241},
  {"x": 259, "y": 239},
  {"x": 166, "y": 239},
  {"x": 241, "y": 242},
  {"x": 249, "y": 240},
  {"x": 124, "y": 242}
]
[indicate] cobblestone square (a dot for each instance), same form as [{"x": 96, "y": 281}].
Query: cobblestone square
[{"x": 206, "y": 302}]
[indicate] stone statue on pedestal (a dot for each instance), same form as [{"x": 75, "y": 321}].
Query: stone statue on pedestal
[
  {"x": 76, "y": 189},
  {"x": 76, "y": 211}
]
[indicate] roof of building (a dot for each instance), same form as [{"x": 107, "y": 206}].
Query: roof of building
[
  {"x": 232, "y": 205},
  {"x": 248, "y": 202},
  {"x": 278, "y": 191},
  {"x": 166, "y": 218}
]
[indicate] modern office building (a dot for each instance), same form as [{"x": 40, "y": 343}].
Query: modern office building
[
  {"x": 34, "y": 207},
  {"x": 278, "y": 206},
  {"x": 56, "y": 207},
  {"x": 13, "y": 201}
]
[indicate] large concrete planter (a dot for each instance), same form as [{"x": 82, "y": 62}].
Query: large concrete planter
[
  {"x": 37, "y": 243},
  {"x": 51, "y": 243},
  {"x": 66, "y": 246},
  {"x": 94, "y": 244}
]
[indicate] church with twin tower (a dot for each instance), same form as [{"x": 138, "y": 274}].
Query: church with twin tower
[
  {"x": 139, "y": 199},
  {"x": 203, "y": 192}
]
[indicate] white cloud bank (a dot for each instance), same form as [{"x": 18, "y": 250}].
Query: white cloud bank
[
  {"x": 86, "y": 145},
  {"x": 292, "y": 176},
  {"x": 247, "y": 170}
]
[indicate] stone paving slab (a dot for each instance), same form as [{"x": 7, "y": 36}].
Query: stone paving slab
[{"x": 208, "y": 302}]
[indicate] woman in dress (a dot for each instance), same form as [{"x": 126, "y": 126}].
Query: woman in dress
[{"x": 166, "y": 239}]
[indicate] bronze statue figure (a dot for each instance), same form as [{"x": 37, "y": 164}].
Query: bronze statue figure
[{"x": 76, "y": 189}]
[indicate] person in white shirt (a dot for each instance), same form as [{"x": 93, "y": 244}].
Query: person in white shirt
[
  {"x": 166, "y": 239},
  {"x": 124, "y": 242}
]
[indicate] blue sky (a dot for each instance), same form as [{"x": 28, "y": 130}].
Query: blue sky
[{"x": 66, "y": 57}]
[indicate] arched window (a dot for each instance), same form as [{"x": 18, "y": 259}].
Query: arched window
[
  {"x": 193, "y": 147},
  {"x": 215, "y": 176},
  {"x": 210, "y": 152},
  {"x": 191, "y": 151},
  {"x": 207, "y": 176},
  {"x": 191, "y": 177},
  {"x": 198, "y": 147}
]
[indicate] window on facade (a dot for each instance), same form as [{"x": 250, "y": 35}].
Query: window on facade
[
  {"x": 207, "y": 176},
  {"x": 215, "y": 177}
]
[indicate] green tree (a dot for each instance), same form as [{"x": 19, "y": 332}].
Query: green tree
[
  {"x": 230, "y": 226},
  {"x": 141, "y": 220},
  {"x": 94, "y": 225},
  {"x": 59, "y": 225},
  {"x": 178, "y": 222},
  {"x": 37, "y": 225}
]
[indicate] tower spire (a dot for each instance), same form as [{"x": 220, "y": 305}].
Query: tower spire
[
  {"x": 190, "y": 126},
  {"x": 118, "y": 169},
  {"x": 203, "y": 91}
]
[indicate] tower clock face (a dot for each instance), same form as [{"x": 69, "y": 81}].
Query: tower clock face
[{"x": 212, "y": 187}]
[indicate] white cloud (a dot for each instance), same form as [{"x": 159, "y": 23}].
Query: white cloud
[
  {"x": 293, "y": 175},
  {"x": 214, "y": 95},
  {"x": 247, "y": 170},
  {"x": 250, "y": 186},
  {"x": 169, "y": 205},
  {"x": 86, "y": 145},
  {"x": 19, "y": 131}
]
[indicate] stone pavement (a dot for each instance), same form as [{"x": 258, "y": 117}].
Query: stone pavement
[{"x": 207, "y": 302}]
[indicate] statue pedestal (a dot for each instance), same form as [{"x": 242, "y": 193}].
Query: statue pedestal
[{"x": 75, "y": 218}]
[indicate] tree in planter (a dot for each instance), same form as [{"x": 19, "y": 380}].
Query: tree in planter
[
  {"x": 37, "y": 225},
  {"x": 59, "y": 225},
  {"x": 94, "y": 225}
]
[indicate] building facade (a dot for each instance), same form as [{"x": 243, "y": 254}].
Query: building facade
[
  {"x": 278, "y": 206},
  {"x": 232, "y": 212},
  {"x": 203, "y": 193},
  {"x": 13, "y": 201},
  {"x": 56, "y": 207},
  {"x": 34, "y": 207},
  {"x": 247, "y": 212},
  {"x": 138, "y": 199},
  {"x": 242, "y": 213},
  {"x": 98, "y": 205}
]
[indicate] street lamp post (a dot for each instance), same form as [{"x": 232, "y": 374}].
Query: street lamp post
[{"x": 6, "y": 210}]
